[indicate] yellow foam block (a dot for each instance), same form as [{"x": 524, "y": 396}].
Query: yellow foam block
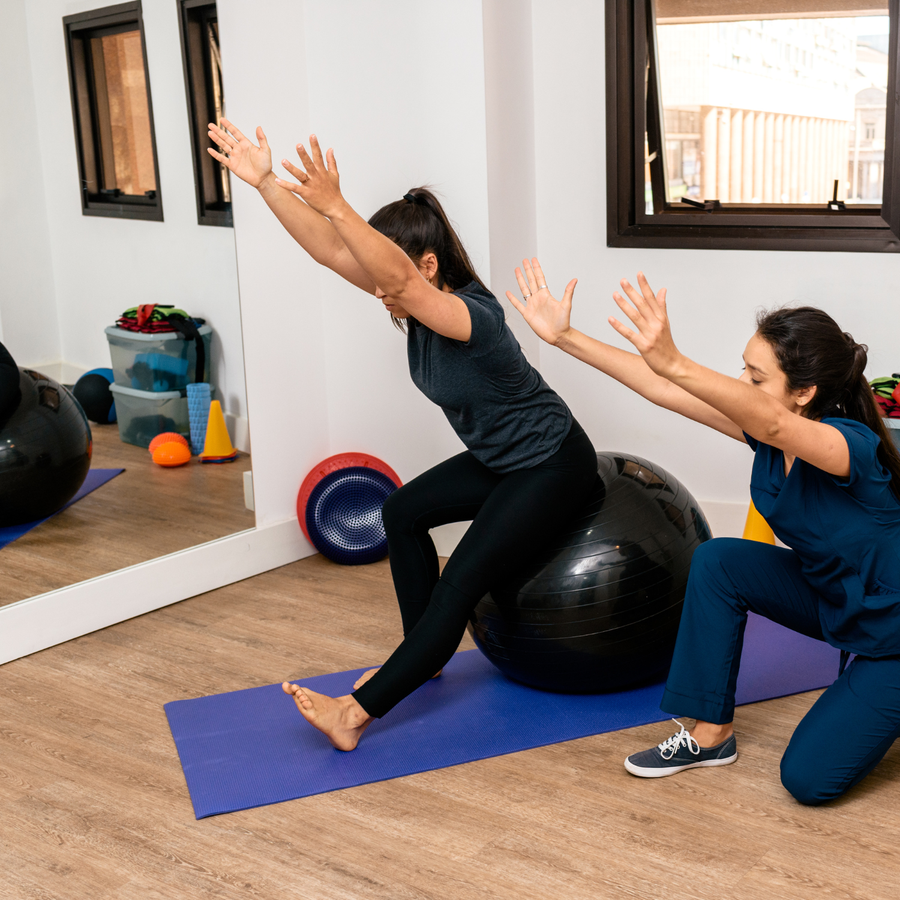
[{"x": 757, "y": 528}]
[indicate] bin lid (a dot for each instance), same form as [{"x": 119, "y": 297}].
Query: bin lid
[
  {"x": 151, "y": 395},
  {"x": 115, "y": 331}
]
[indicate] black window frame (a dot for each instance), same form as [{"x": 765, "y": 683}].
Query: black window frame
[
  {"x": 633, "y": 108},
  {"x": 78, "y": 30},
  {"x": 199, "y": 90}
]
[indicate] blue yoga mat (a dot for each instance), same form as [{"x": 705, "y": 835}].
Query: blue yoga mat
[
  {"x": 95, "y": 478},
  {"x": 250, "y": 748}
]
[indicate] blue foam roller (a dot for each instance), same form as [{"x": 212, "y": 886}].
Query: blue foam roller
[{"x": 198, "y": 397}]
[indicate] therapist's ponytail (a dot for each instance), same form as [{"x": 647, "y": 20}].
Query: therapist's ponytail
[{"x": 812, "y": 350}]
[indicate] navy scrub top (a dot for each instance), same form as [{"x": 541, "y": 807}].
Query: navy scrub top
[{"x": 846, "y": 534}]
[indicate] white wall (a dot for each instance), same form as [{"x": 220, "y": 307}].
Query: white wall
[
  {"x": 93, "y": 268},
  {"x": 398, "y": 90},
  {"x": 28, "y": 319}
]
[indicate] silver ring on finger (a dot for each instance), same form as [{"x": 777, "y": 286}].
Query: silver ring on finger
[
  {"x": 541, "y": 286},
  {"x": 525, "y": 296}
]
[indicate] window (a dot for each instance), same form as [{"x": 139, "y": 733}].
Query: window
[
  {"x": 206, "y": 103},
  {"x": 112, "y": 113},
  {"x": 758, "y": 124}
]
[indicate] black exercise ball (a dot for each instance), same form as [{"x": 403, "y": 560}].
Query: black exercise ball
[
  {"x": 45, "y": 450},
  {"x": 96, "y": 399},
  {"x": 599, "y": 609}
]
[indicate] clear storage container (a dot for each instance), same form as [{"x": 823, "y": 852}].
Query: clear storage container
[
  {"x": 156, "y": 362},
  {"x": 142, "y": 415},
  {"x": 893, "y": 427}
]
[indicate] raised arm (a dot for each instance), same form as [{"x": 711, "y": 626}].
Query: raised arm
[
  {"x": 379, "y": 257},
  {"x": 312, "y": 231},
  {"x": 549, "y": 319},
  {"x": 774, "y": 418}
]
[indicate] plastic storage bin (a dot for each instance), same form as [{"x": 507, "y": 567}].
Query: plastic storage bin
[
  {"x": 156, "y": 362},
  {"x": 893, "y": 427},
  {"x": 142, "y": 415}
]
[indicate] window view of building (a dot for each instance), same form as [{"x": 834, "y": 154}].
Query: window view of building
[{"x": 773, "y": 111}]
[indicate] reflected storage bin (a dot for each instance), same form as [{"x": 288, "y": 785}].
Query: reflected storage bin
[
  {"x": 156, "y": 362},
  {"x": 893, "y": 427},
  {"x": 142, "y": 415}
]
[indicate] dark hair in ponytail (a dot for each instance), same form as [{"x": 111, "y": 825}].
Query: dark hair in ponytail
[
  {"x": 417, "y": 224},
  {"x": 812, "y": 350}
]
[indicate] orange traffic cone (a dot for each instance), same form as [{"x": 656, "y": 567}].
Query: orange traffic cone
[
  {"x": 217, "y": 448},
  {"x": 757, "y": 528}
]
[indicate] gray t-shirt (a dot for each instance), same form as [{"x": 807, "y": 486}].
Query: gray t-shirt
[{"x": 496, "y": 401}]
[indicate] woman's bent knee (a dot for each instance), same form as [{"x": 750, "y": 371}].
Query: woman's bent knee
[
  {"x": 805, "y": 782},
  {"x": 396, "y": 513}
]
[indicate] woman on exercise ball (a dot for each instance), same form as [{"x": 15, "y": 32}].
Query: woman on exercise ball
[
  {"x": 826, "y": 476},
  {"x": 528, "y": 465}
]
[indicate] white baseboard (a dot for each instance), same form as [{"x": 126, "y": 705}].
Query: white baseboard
[
  {"x": 239, "y": 430},
  {"x": 725, "y": 519},
  {"x": 48, "y": 619},
  {"x": 63, "y": 372}
]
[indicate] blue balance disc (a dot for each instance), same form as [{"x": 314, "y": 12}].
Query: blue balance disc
[{"x": 343, "y": 515}]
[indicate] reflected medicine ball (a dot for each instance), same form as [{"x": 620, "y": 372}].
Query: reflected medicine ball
[
  {"x": 599, "y": 609},
  {"x": 45, "y": 450},
  {"x": 96, "y": 399}
]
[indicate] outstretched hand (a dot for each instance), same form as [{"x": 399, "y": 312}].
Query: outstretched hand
[
  {"x": 251, "y": 163},
  {"x": 320, "y": 182},
  {"x": 651, "y": 335},
  {"x": 547, "y": 317}
]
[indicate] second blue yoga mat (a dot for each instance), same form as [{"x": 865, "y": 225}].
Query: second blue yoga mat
[
  {"x": 95, "y": 478},
  {"x": 250, "y": 748}
]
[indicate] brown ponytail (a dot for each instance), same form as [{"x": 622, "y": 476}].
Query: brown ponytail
[
  {"x": 812, "y": 350},
  {"x": 418, "y": 224}
]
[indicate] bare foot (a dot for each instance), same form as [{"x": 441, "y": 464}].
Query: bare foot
[
  {"x": 341, "y": 719},
  {"x": 367, "y": 675}
]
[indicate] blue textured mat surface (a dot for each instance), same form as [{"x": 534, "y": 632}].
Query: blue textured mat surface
[
  {"x": 250, "y": 748},
  {"x": 95, "y": 478}
]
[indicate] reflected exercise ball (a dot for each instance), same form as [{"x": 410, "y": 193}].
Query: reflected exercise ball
[
  {"x": 599, "y": 609},
  {"x": 93, "y": 393},
  {"x": 45, "y": 450}
]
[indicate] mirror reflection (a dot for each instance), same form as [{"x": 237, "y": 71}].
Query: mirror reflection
[{"x": 88, "y": 296}]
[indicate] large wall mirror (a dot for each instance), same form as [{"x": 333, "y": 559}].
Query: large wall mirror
[{"x": 65, "y": 277}]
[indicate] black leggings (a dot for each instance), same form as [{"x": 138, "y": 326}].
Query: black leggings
[{"x": 513, "y": 515}]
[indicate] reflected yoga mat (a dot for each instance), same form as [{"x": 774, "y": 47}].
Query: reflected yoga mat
[
  {"x": 250, "y": 748},
  {"x": 95, "y": 478}
]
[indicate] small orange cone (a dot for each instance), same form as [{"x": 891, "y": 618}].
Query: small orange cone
[
  {"x": 757, "y": 528},
  {"x": 218, "y": 446}
]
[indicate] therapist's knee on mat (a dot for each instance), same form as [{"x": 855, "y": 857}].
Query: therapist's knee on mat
[{"x": 804, "y": 781}]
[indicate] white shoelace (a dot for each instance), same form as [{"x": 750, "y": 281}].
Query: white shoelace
[{"x": 683, "y": 739}]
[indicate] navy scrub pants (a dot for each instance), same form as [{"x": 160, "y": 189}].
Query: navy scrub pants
[
  {"x": 849, "y": 728},
  {"x": 513, "y": 516}
]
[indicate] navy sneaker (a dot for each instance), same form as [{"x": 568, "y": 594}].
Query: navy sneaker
[{"x": 678, "y": 753}]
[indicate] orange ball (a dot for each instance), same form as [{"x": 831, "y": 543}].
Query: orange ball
[
  {"x": 171, "y": 454},
  {"x": 168, "y": 437}
]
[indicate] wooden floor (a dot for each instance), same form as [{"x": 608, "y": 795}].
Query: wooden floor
[
  {"x": 94, "y": 803},
  {"x": 146, "y": 512}
]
